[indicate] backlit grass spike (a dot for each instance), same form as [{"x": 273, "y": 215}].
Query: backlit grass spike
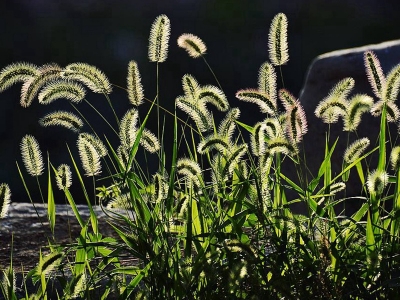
[
  {"x": 358, "y": 105},
  {"x": 159, "y": 38},
  {"x": 257, "y": 97},
  {"x": 31, "y": 87},
  {"x": 277, "y": 40},
  {"x": 267, "y": 81},
  {"x": 127, "y": 131},
  {"x": 62, "y": 118},
  {"x": 62, "y": 89},
  {"x": 64, "y": 177},
  {"x": 395, "y": 158},
  {"x": 5, "y": 199},
  {"x": 212, "y": 94},
  {"x": 134, "y": 84},
  {"x": 193, "y": 45},
  {"x": 149, "y": 141},
  {"x": 31, "y": 155},
  {"x": 392, "y": 84},
  {"x": 355, "y": 150},
  {"x": 89, "y": 75},
  {"x": 377, "y": 181},
  {"x": 375, "y": 74},
  {"x": 190, "y": 170},
  {"x": 17, "y": 72}
]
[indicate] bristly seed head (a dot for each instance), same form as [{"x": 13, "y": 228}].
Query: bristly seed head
[
  {"x": 158, "y": 40},
  {"x": 395, "y": 158},
  {"x": 18, "y": 72},
  {"x": 193, "y": 45},
  {"x": 358, "y": 105},
  {"x": 354, "y": 151},
  {"x": 64, "y": 177},
  {"x": 377, "y": 181},
  {"x": 5, "y": 199},
  {"x": 62, "y": 88},
  {"x": 257, "y": 97},
  {"x": 31, "y": 155},
  {"x": 134, "y": 84},
  {"x": 375, "y": 74},
  {"x": 267, "y": 81},
  {"x": 62, "y": 118},
  {"x": 277, "y": 40}
]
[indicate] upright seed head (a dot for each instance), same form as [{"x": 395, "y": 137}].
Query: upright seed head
[
  {"x": 375, "y": 74},
  {"x": 377, "y": 181},
  {"x": 31, "y": 155},
  {"x": 5, "y": 199},
  {"x": 267, "y": 81},
  {"x": 158, "y": 40},
  {"x": 134, "y": 84},
  {"x": 277, "y": 40},
  {"x": 64, "y": 177},
  {"x": 395, "y": 158},
  {"x": 392, "y": 85},
  {"x": 193, "y": 45}
]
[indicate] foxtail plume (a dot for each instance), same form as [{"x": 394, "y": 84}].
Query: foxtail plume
[
  {"x": 158, "y": 40},
  {"x": 277, "y": 40},
  {"x": 193, "y": 45}
]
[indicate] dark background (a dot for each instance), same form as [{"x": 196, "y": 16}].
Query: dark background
[{"x": 109, "y": 33}]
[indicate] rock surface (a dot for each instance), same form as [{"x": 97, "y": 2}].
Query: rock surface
[{"x": 325, "y": 71}]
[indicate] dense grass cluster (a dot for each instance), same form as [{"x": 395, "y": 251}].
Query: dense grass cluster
[{"x": 216, "y": 221}]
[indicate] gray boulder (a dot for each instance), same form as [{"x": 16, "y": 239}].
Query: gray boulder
[{"x": 324, "y": 72}]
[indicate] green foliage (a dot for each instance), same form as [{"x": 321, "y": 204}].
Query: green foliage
[{"x": 219, "y": 220}]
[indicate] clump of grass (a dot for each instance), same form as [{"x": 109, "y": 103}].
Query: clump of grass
[{"x": 218, "y": 221}]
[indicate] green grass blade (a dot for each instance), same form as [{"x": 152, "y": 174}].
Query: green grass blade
[{"x": 51, "y": 206}]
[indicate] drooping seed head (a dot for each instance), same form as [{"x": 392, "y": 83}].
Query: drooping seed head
[
  {"x": 31, "y": 87},
  {"x": 281, "y": 145},
  {"x": 354, "y": 151},
  {"x": 89, "y": 75},
  {"x": 159, "y": 38},
  {"x": 149, "y": 141},
  {"x": 62, "y": 88},
  {"x": 95, "y": 142},
  {"x": 199, "y": 113},
  {"x": 392, "y": 111},
  {"x": 160, "y": 187},
  {"x": 62, "y": 118},
  {"x": 191, "y": 88},
  {"x": 212, "y": 94},
  {"x": 228, "y": 125},
  {"x": 193, "y": 45},
  {"x": 257, "y": 97},
  {"x": 296, "y": 122},
  {"x": 189, "y": 169},
  {"x": 31, "y": 155},
  {"x": 358, "y": 105},
  {"x": 48, "y": 263},
  {"x": 213, "y": 142},
  {"x": 17, "y": 72}
]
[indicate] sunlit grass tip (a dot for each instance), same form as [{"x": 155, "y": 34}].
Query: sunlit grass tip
[
  {"x": 267, "y": 81},
  {"x": 90, "y": 158},
  {"x": 31, "y": 155},
  {"x": 17, "y": 72},
  {"x": 95, "y": 142},
  {"x": 358, "y": 105},
  {"x": 354, "y": 150},
  {"x": 62, "y": 118},
  {"x": 257, "y": 97},
  {"x": 62, "y": 89},
  {"x": 134, "y": 84},
  {"x": 375, "y": 74},
  {"x": 189, "y": 169},
  {"x": 5, "y": 199},
  {"x": 193, "y": 45},
  {"x": 277, "y": 40},
  {"x": 377, "y": 181},
  {"x": 392, "y": 84},
  {"x": 89, "y": 75},
  {"x": 127, "y": 130},
  {"x": 64, "y": 177},
  {"x": 31, "y": 87},
  {"x": 392, "y": 111},
  {"x": 215, "y": 96},
  {"x": 198, "y": 112},
  {"x": 149, "y": 141},
  {"x": 159, "y": 38},
  {"x": 395, "y": 158}
]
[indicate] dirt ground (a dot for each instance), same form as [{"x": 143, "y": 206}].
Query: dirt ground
[{"x": 27, "y": 235}]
